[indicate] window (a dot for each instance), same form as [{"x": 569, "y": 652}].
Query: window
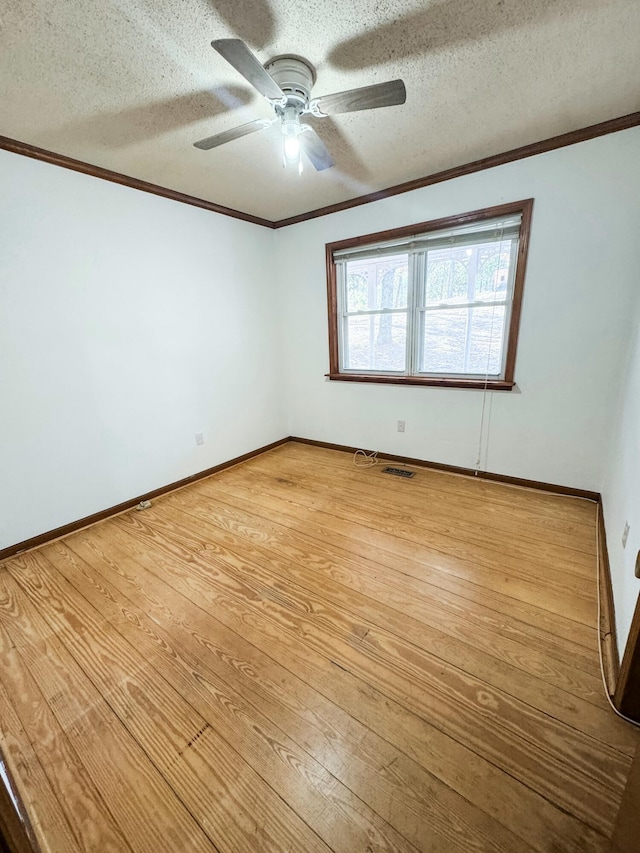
[{"x": 433, "y": 304}]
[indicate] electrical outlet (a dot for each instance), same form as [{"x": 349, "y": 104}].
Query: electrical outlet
[
  {"x": 400, "y": 426},
  {"x": 199, "y": 438},
  {"x": 625, "y": 534}
]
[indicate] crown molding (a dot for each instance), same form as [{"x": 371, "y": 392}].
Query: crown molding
[
  {"x": 562, "y": 141},
  {"x": 54, "y": 159},
  {"x": 571, "y": 138}
]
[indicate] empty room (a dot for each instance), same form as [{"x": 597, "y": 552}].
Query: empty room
[{"x": 320, "y": 426}]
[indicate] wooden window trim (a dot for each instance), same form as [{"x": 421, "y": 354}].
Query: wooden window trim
[{"x": 524, "y": 207}]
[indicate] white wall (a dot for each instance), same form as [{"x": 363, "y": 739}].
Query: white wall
[
  {"x": 581, "y": 280},
  {"x": 127, "y": 323},
  {"x": 621, "y": 495}
]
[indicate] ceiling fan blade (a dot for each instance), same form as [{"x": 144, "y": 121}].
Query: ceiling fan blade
[
  {"x": 238, "y": 54},
  {"x": 315, "y": 149},
  {"x": 234, "y": 133},
  {"x": 367, "y": 98}
]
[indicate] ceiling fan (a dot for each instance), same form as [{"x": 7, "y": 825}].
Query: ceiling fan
[{"x": 286, "y": 82}]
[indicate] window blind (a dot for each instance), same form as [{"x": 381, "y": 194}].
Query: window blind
[{"x": 483, "y": 232}]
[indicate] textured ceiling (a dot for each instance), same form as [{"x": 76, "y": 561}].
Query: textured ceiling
[{"x": 129, "y": 85}]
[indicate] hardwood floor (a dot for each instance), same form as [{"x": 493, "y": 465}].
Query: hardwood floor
[{"x": 299, "y": 655}]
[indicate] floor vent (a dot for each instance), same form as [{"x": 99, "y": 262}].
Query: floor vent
[{"x": 398, "y": 472}]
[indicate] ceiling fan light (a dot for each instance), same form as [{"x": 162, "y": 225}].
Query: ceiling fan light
[
  {"x": 291, "y": 130},
  {"x": 291, "y": 147}
]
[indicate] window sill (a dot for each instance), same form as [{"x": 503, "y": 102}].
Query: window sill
[{"x": 431, "y": 381}]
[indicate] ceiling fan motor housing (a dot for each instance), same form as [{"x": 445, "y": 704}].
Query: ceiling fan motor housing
[{"x": 295, "y": 76}]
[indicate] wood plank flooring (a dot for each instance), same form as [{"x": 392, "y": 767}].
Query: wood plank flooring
[{"x": 300, "y": 655}]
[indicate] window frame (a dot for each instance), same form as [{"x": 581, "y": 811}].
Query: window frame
[{"x": 524, "y": 208}]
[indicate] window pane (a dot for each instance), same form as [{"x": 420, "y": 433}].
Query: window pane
[
  {"x": 492, "y": 277},
  {"x": 468, "y": 273},
  {"x": 447, "y": 276},
  {"x": 375, "y": 283},
  {"x": 463, "y": 340},
  {"x": 376, "y": 342},
  {"x": 485, "y": 340},
  {"x": 443, "y": 344}
]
